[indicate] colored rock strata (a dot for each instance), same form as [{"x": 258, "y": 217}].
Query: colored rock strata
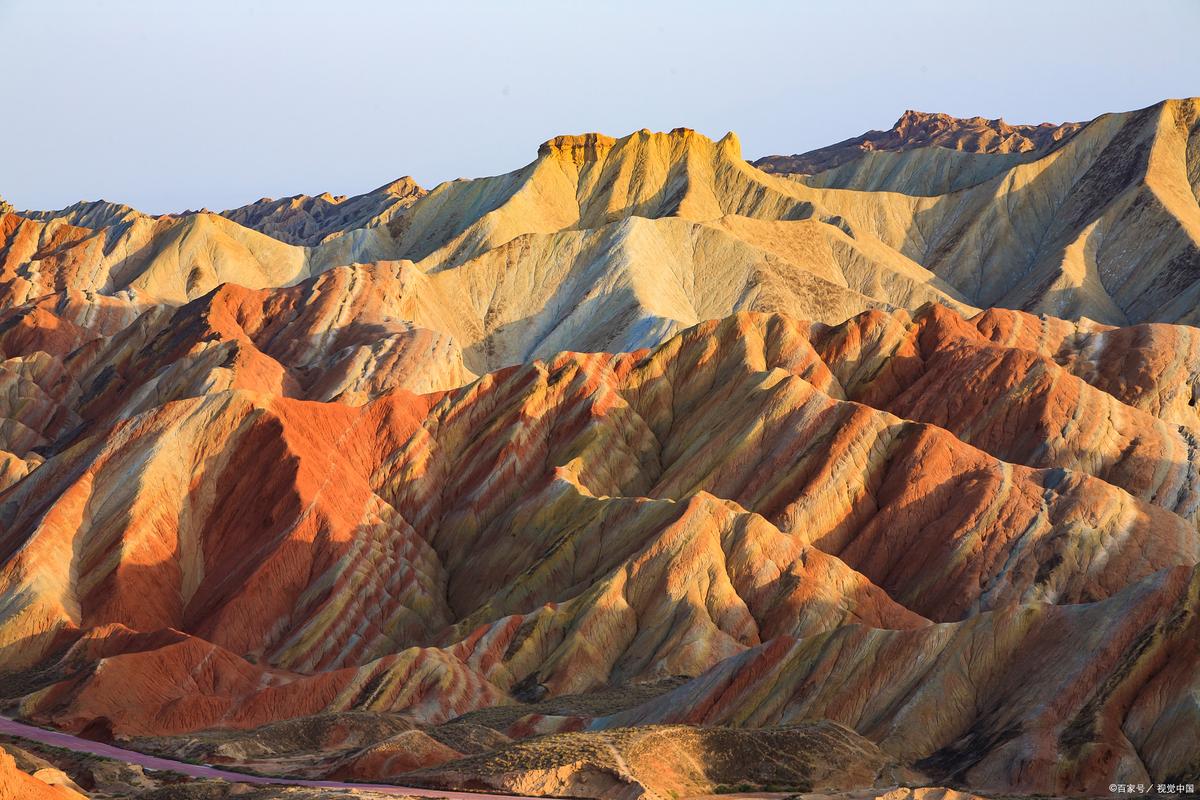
[{"x": 614, "y": 474}]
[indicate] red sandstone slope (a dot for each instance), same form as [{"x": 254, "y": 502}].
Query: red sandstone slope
[
  {"x": 74, "y": 361},
  {"x": 343, "y": 335},
  {"x": 238, "y": 558}
]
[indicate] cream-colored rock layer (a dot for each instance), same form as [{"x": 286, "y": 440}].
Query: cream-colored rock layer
[
  {"x": 1104, "y": 224},
  {"x": 612, "y": 246},
  {"x": 144, "y": 259}
]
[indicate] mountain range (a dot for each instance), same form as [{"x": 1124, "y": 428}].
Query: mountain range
[{"x": 558, "y": 482}]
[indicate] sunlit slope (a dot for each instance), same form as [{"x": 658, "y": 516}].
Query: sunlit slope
[{"x": 1103, "y": 224}]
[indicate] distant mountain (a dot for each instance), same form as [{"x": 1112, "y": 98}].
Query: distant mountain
[
  {"x": 916, "y": 129},
  {"x": 310, "y": 220}
]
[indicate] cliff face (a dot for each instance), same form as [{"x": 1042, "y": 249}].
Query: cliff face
[{"x": 635, "y": 415}]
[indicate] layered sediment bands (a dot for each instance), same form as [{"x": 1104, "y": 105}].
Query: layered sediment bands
[
  {"x": 1023, "y": 401},
  {"x": 694, "y": 593},
  {"x": 1151, "y": 367},
  {"x": 634, "y": 416},
  {"x": 317, "y": 547},
  {"x": 342, "y": 336},
  {"x": 548, "y": 529},
  {"x": 42, "y": 345},
  {"x": 308, "y": 220},
  {"x": 138, "y": 257},
  {"x": 60, "y": 323},
  {"x": 396, "y": 756},
  {"x": 232, "y": 496},
  {"x": 73, "y": 362},
  {"x": 1034, "y": 698},
  {"x": 32, "y": 414},
  {"x": 192, "y": 684}
]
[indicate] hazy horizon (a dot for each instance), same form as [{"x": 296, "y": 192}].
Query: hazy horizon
[{"x": 169, "y": 109}]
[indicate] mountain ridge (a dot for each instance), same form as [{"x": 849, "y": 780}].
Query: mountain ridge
[
  {"x": 904, "y": 453},
  {"x": 916, "y": 129},
  {"x": 1119, "y": 173}
]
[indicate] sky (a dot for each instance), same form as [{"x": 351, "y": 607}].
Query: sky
[{"x": 179, "y": 105}]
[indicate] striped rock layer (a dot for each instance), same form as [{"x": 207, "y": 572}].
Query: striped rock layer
[
  {"x": 636, "y": 412},
  {"x": 933, "y": 508}
]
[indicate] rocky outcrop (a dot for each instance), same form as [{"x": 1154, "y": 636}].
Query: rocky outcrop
[
  {"x": 48, "y": 784},
  {"x": 916, "y": 129},
  {"x": 578, "y": 149},
  {"x": 305, "y": 220}
]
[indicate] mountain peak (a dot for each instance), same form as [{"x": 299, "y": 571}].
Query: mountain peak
[
  {"x": 973, "y": 134},
  {"x": 577, "y": 148},
  {"x": 308, "y": 220},
  {"x": 585, "y": 147},
  {"x": 402, "y": 186},
  {"x": 916, "y": 129}
]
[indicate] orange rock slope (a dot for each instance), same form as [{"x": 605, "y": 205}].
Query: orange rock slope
[
  {"x": 18, "y": 785},
  {"x": 743, "y": 492}
]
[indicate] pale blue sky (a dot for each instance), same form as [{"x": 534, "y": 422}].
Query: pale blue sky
[{"x": 175, "y": 105}]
